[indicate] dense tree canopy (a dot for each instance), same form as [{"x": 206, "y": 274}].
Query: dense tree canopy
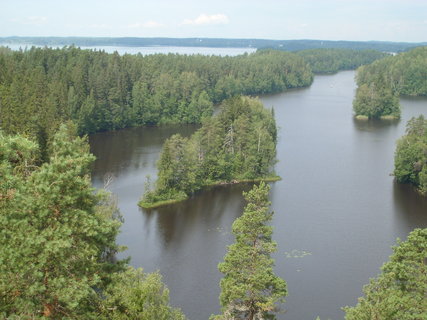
[
  {"x": 58, "y": 239},
  {"x": 42, "y": 87},
  {"x": 380, "y": 83},
  {"x": 399, "y": 292},
  {"x": 250, "y": 289},
  {"x": 405, "y": 73},
  {"x": 134, "y": 294},
  {"x": 334, "y": 60},
  {"x": 410, "y": 161},
  {"x": 237, "y": 144}
]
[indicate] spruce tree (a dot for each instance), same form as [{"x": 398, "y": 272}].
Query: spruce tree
[
  {"x": 399, "y": 292},
  {"x": 55, "y": 244},
  {"x": 57, "y": 253},
  {"x": 250, "y": 289}
]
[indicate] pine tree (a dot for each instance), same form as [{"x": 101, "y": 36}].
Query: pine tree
[
  {"x": 134, "y": 294},
  {"x": 250, "y": 289},
  {"x": 57, "y": 253},
  {"x": 56, "y": 245},
  {"x": 399, "y": 292}
]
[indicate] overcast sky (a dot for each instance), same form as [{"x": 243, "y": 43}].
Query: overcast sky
[{"x": 386, "y": 20}]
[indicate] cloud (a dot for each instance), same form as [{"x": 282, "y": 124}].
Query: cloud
[
  {"x": 153, "y": 24},
  {"x": 149, "y": 24},
  {"x": 205, "y": 19},
  {"x": 32, "y": 21}
]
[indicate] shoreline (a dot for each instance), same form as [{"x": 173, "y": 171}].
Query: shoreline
[{"x": 158, "y": 204}]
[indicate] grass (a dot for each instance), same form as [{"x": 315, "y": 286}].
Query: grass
[
  {"x": 386, "y": 117},
  {"x": 361, "y": 117},
  {"x": 161, "y": 203},
  {"x": 389, "y": 117}
]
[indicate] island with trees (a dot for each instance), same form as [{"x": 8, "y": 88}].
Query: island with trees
[
  {"x": 236, "y": 145},
  {"x": 58, "y": 235},
  {"x": 381, "y": 83},
  {"x": 410, "y": 162}
]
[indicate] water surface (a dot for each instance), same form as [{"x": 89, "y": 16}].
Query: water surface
[
  {"x": 337, "y": 209},
  {"x": 150, "y": 49}
]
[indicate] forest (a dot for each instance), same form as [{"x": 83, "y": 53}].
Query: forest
[
  {"x": 334, "y": 60},
  {"x": 410, "y": 162},
  {"x": 100, "y": 91},
  {"x": 58, "y": 257},
  {"x": 58, "y": 236},
  {"x": 382, "y": 82},
  {"x": 238, "y": 144},
  {"x": 59, "y": 243}
]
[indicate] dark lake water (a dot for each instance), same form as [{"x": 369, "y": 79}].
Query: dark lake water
[{"x": 336, "y": 205}]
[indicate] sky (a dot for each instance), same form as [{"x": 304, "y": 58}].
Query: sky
[{"x": 359, "y": 20}]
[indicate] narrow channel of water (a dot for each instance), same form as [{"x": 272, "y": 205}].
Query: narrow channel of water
[{"x": 337, "y": 209}]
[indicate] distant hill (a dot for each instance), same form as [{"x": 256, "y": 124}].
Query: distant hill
[{"x": 287, "y": 45}]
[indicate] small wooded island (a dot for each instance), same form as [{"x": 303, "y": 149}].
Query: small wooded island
[
  {"x": 59, "y": 237},
  {"x": 382, "y": 82},
  {"x": 237, "y": 145}
]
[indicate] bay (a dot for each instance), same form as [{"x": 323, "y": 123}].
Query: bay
[{"x": 337, "y": 209}]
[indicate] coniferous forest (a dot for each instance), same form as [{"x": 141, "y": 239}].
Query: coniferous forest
[
  {"x": 100, "y": 91},
  {"x": 238, "y": 144},
  {"x": 381, "y": 83},
  {"x": 58, "y": 254}
]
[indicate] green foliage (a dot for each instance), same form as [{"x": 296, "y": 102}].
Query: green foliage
[
  {"x": 380, "y": 83},
  {"x": 399, "y": 292},
  {"x": 250, "y": 289},
  {"x": 410, "y": 161},
  {"x": 57, "y": 257},
  {"x": 43, "y": 87},
  {"x": 374, "y": 102},
  {"x": 134, "y": 294},
  {"x": 237, "y": 144},
  {"x": 55, "y": 244},
  {"x": 334, "y": 60}
]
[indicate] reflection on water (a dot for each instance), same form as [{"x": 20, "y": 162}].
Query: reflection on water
[
  {"x": 374, "y": 124},
  {"x": 336, "y": 201},
  {"x": 408, "y": 205},
  {"x": 176, "y": 221}
]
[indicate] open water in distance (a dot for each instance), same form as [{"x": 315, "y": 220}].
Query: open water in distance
[
  {"x": 337, "y": 209},
  {"x": 151, "y": 50}
]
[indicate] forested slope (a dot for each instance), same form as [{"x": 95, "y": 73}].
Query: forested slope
[
  {"x": 380, "y": 83},
  {"x": 40, "y": 88},
  {"x": 333, "y": 60}
]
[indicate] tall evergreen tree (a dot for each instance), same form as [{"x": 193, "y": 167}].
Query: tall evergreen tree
[
  {"x": 58, "y": 240},
  {"x": 250, "y": 289},
  {"x": 134, "y": 294},
  {"x": 400, "y": 291},
  {"x": 54, "y": 241}
]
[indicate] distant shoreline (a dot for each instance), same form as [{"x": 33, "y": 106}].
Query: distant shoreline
[{"x": 287, "y": 45}]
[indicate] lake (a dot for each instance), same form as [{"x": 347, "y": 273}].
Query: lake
[
  {"x": 149, "y": 50},
  {"x": 337, "y": 209}
]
